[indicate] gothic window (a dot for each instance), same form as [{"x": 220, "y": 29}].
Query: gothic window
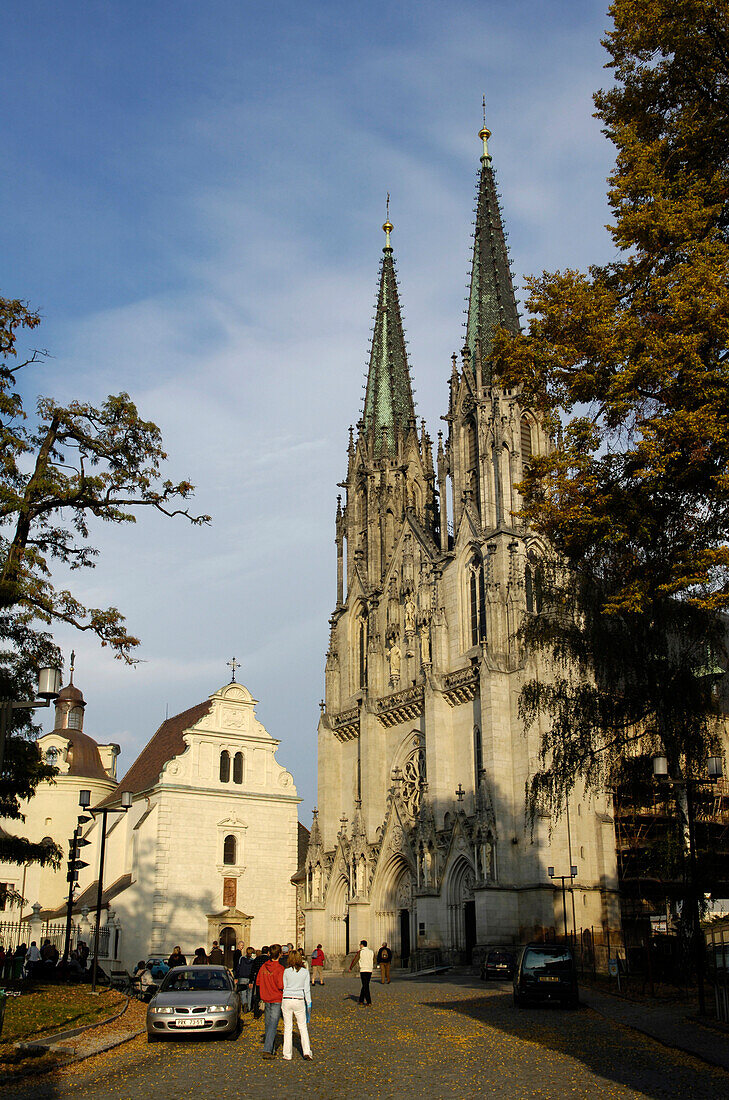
[
  {"x": 411, "y": 784},
  {"x": 52, "y": 755},
  {"x": 526, "y": 441},
  {"x": 477, "y": 600},
  {"x": 362, "y": 649},
  {"x": 389, "y": 533},
  {"x": 477, "y": 754},
  {"x": 533, "y": 584},
  {"x": 74, "y": 718},
  {"x": 471, "y": 455},
  {"x": 238, "y": 768},
  {"x": 225, "y": 766},
  {"x": 229, "y": 849}
]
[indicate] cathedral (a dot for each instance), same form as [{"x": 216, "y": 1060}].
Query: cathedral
[{"x": 420, "y": 837}]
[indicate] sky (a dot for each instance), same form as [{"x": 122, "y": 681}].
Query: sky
[{"x": 192, "y": 195}]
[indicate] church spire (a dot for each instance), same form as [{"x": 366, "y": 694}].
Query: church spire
[
  {"x": 491, "y": 299},
  {"x": 389, "y": 407}
]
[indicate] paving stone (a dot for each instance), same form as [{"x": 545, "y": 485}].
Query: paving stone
[{"x": 428, "y": 1039}]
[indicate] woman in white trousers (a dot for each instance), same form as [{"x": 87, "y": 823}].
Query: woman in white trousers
[{"x": 296, "y": 1000}]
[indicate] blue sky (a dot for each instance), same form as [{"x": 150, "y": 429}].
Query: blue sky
[{"x": 192, "y": 195}]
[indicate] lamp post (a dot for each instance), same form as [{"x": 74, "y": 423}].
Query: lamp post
[
  {"x": 84, "y": 801},
  {"x": 49, "y": 685},
  {"x": 689, "y": 784},
  {"x": 563, "y": 878}
]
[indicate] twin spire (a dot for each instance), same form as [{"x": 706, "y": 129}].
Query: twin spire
[{"x": 389, "y": 409}]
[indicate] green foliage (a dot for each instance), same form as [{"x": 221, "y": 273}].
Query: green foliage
[
  {"x": 628, "y": 367},
  {"x": 59, "y": 469}
]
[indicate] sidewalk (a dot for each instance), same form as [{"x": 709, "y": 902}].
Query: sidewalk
[{"x": 670, "y": 1025}]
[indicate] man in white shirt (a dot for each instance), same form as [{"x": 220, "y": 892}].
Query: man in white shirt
[{"x": 366, "y": 958}]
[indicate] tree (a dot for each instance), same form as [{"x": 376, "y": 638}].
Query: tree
[
  {"x": 60, "y": 469},
  {"x": 628, "y": 366}
]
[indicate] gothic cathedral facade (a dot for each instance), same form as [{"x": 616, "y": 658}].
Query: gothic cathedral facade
[{"x": 420, "y": 837}]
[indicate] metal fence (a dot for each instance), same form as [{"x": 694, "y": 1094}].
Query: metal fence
[{"x": 13, "y": 933}]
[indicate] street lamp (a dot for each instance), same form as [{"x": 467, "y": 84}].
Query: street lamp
[
  {"x": 563, "y": 878},
  {"x": 84, "y": 801},
  {"x": 49, "y": 685},
  {"x": 715, "y": 772}
]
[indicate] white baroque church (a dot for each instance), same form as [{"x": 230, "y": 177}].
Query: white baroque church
[
  {"x": 206, "y": 851},
  {"x": 420, "y": 837}
]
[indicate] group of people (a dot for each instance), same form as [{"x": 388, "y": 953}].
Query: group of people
[
  {"x": 29, "y": 962},
  {"x": 275, "y": 982},
  {"x": 278, "y": 978}
]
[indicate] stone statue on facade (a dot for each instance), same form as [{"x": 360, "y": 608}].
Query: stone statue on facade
[{"x": 394, "y": 656}]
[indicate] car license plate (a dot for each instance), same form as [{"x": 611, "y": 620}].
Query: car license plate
[
  {"x": 195, "y": 1021},
  {"x": 550, "y": 978}
]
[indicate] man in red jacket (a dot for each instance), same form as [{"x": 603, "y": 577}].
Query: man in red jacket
[{"x": 270, "y": 984}]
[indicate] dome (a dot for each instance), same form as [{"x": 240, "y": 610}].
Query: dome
[{"x": 71, "y": 694}]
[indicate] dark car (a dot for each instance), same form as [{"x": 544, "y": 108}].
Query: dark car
[
  {"x": 546, "y": 972},
  {"x": 498, "y": 965}
]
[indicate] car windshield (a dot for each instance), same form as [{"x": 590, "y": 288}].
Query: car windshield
[
  {"x": 557, "y": 963},
  {"x": 500, "y": 957},
  {"x": 197, "y": 981}
]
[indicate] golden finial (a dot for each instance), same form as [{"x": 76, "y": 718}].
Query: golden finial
[
  {"x": 484, "y": 133},
  {"x": 388, "y": 226}
]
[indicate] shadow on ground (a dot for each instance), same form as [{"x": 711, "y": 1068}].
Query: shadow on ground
[{"x": 613, "y": 1052}]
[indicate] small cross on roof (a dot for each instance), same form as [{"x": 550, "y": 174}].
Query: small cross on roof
[{"x": 233, "y": 665}]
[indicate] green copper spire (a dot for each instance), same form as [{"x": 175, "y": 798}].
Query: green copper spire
[
  {"x": 491, "y": 300},
  {"x": 389, "y": 407}
]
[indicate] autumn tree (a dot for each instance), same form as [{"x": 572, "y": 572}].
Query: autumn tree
[
  {"x": 627, "y": 364},
  {"x": 62, "y": 467}
]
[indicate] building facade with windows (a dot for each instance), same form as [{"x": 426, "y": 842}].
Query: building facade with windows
[
  {"x": 211, "y": 842},
  {"x": 420, "y": 837}
]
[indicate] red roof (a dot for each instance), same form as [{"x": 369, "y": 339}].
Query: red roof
[{"x": 167, "y": 743}]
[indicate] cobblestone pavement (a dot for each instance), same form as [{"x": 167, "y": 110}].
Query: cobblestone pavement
[{"x": 442, "y": 1037}]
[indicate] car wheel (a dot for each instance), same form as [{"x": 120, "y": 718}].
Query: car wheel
[
  {"x": 233, "y": 1035},
  {"x": 151, "y": 1038},
  {"x": 518, "y": 1001}
]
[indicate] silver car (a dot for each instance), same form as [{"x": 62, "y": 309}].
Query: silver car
[{"x": 194, "y": 1000}]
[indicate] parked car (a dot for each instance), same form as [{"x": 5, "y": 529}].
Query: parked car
[
  {"x": 200, "y": 999},
  {"x": 546, "y": 972},
  {"x": 498, "y": 965},
  {"x": 157, "y": 966}
]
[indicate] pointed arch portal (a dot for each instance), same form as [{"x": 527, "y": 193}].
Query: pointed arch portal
[{"x": 461, "y": 907}]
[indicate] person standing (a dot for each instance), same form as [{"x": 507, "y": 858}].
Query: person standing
[
  {"x": 296, "y": 1001},
  {"x": 261, "y": 957},
  {"x": 243, "y": 974},
  {"x": 270, "y": 985},
  {"x": 366, "y": 959},
  {"x": 384, "y": 958},
  {"x": 32, "y": 959},
  {"x": 201, "y": 958},
  {"x": 177, "y": 958},
  {"x": 216, "y": 956},
  {"x": 317, "y": 965}
]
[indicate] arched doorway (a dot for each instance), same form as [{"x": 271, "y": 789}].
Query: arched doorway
[
  {"x": 338, "y": 906},
  {"x": 395, "y": 907},
  {"x": 227, "y": 943},
  {"x": 462, "y": 909}
]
